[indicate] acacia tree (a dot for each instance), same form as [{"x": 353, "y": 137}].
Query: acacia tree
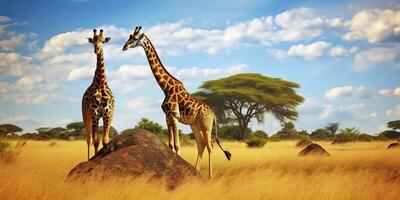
[
  {"x": 333, "y": 128},
  {"x": 76, "y": 128},
  {"x": 251, "y": 96},
  {"x": 394, "y": 124},
  {"x": 6, "y": 129}
]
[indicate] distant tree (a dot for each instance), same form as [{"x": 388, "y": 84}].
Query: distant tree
[
  {"x": 332, "y": 127},
  {"x": 232, "y": 131},
  {"x": 76, "y": 128},
  {"x": 149, "y": 125},
  {"x": 394, "y": 125},
  {"x": 6, "y": 129},
  {"x": 390, "y": 134},
  {"x": 287, "y": 132},
  {"x": 348, "y": 135},
  {"x": 321, "y": 134},
  {"x": 43, "y": 129},
  {"x": 259, "y": 133},
  {"x": 251, "y": 96},
  {"x": 112, "y": 133},
  {"x": 366, "y": 138}
]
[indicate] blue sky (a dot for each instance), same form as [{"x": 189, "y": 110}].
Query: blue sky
[{"x": 344, "y": 54}]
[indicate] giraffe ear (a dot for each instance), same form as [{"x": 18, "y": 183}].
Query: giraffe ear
[
  {"x": 90, "y": 40},
  {"x": 107, "y": 39},
  {"x": 141, "y": 36}
]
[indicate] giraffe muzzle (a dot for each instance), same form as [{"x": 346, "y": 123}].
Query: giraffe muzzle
[{"x": 125, "y": 48}]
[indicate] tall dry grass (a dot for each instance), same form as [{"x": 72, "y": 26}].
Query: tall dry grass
[{"x": 354, "y": 171}]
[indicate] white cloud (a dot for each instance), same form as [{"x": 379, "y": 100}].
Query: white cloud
[
  {"x": 385, "y": 92},
  {"x": 133, "y": 71},
  {"x": 10, "y": 40},
  {"x": 338, "y": 51},
  {"x": 144, "y": 105},
  {"x": 393, "y": 112},
  {"x": 375, "y": 26},
  {"x": 4, "y": 19},
  {"x": 376, "y": 56},
  {"x": 80, "y": 73},
  {"x": 329, "y": 110},
  {"x": 208, "y": 73},
  {"x": 352, "y": 92},
  {"x": 396, "y": 91},
  {"x": 308, "y": 52},
  {"x": 13, "y": 64}
]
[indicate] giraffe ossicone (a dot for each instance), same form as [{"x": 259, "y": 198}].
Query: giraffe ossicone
[
  {"x": 98, "y": 100},
  {"x": 178, "y": 104}
]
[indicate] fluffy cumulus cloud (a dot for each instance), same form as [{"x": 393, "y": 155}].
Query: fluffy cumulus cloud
[
  {"x": 375, "y": 26},
  {"x": 289, "y": 26},
  {"x": 394, "y": 111},
  {"x": 377, "y": 56},
  {"x": 389, "y": 92},
  {"x": 10, "y": 40},
  {"x": 350, "y": 91},
  {"x": 144, "y": 105},
  {"x": 342, "y": 112},
  {"x": 308, "y": 52}
]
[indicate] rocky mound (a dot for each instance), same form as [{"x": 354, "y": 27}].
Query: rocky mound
[
  {"x": 303, "y": 143},
  {"x": 393, "y": 145},
  {"x": 133, "y": 153},
  {"x": 314, "y": 149}
]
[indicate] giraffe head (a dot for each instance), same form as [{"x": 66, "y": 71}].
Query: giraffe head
[
  {"x": 135, "y": 39},
  {"x": 98, "y": 41}
]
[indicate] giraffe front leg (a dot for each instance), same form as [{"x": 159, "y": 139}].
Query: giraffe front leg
[
  {"x": 175, "y": 129},
  {"x": 170, "y": 134},
  {"x": 95, "y": 135},
  {"x": 106, "y": 130}
]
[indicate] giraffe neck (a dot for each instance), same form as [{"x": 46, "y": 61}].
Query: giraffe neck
[
  {"x": 100, "y": 73},
  {"x": 164, "y": 79}
]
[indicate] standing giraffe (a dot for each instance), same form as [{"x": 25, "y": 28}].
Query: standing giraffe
[
  {"x": 179, "y": 105},
  {"x": 97, "y": 101}
]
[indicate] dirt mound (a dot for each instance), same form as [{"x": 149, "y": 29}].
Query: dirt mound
[
  {"x": 303, "y": 143},
  {"x": 133, "y": 153},
  {"x": 314, "y": 149},
  {"x": 394, "y": 145}
]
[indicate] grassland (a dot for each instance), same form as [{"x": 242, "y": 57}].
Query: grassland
[{"x": 354, "y": 171}]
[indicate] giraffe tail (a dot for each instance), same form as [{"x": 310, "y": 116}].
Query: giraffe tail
[{"x": 227, "y": 153}]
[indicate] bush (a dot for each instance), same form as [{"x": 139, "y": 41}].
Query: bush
[
  {"x": 149, "y": 125},
  {"x": 7, "y": 154},
  {"x": 321, "y": 134},
  {"x": 366, "y": 138},
  {"x": 256, "y": 142}
]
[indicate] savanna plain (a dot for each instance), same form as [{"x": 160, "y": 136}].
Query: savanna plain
[{"x": 360, "y": 170}]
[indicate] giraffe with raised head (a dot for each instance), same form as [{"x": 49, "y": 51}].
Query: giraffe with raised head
[
  {"x": 179, "y": 105},
  {"x": 98, "y": 100}
]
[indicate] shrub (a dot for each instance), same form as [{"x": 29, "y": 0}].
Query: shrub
[
  {"x": 256, "y": 142},
  {"x": 321, "y": 134},
  {"x": 8, "y": 154},
  {"x": 366, "y": 138}
]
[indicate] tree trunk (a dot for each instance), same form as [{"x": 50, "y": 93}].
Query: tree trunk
[{"x": 243, "y": 128}]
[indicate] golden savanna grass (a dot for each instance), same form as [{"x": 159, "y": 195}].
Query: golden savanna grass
[{"x": 354, "y": 171}]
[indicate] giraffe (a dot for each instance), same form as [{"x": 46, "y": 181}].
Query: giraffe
[
  {"x": 179, "y": 105},
  {"x": 97, "y": 101}
]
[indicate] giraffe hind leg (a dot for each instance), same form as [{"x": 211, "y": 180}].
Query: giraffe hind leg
[
  {"x": 87, "y": 120},
  {"x": 200, "y": 144},
  {"x": 206, "y": 131}
]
